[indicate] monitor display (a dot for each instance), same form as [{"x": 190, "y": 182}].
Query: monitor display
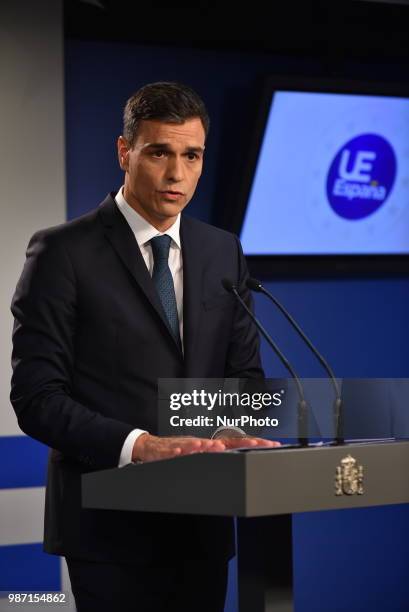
[{"x": 331, "y": 178}]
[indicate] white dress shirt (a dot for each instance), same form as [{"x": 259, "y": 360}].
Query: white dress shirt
[{"x": 144, "y": 232}]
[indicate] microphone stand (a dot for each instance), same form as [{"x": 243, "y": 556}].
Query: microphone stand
[
  {"x": 302, "y": 404},
  {"x": 256, "y": 285}
]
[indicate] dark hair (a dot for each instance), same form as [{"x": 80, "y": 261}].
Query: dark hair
[{"x": 164, "y": 101}]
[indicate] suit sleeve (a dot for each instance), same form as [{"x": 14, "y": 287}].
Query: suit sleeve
[
  {"x": 243, "y": 356},
  {"x": 45, "y": 315}
]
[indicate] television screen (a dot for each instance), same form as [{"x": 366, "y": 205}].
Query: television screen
[{"x": 331, "y": 177}]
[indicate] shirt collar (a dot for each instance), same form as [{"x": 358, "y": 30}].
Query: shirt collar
[{"x": 141, "y": 228}]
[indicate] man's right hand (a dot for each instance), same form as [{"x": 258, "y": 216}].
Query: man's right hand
[{"x": 152, "y": 448}]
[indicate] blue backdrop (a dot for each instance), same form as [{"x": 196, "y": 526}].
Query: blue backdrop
[{"x": 344, "y": 561}]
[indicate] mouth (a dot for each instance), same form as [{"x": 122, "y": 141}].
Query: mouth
[{"x": 170, "y": 194}]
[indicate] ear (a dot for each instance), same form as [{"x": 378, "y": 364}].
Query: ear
[{"x": 123, "y": 153}]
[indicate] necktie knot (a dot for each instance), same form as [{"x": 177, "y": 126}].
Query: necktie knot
[{"x": 160, "y": 247}]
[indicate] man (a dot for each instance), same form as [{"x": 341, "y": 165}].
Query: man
[{"x": 105, "y": 306}]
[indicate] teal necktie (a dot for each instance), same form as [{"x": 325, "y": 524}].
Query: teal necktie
[{"x": 163, "y": 281}]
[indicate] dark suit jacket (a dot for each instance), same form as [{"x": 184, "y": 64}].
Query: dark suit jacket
[{"x": 90, "y": 341}]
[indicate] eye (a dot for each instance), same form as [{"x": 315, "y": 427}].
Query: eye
[
  {"x": 159, "y": 153},
  {"x": 192, "y": 156}
]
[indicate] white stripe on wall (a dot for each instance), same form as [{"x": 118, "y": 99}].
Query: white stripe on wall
[{"x": 21, "y": 515}]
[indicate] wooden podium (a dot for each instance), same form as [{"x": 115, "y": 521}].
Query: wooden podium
[{"x": 263, "y": 488}]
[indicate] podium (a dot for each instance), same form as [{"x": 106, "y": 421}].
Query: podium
[{"x": 263, "y": 489}]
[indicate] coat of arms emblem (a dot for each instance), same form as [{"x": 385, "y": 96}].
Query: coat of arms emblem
[{"x": 349, "y": 478}]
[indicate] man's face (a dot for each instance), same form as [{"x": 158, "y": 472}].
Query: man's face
[{"x": 162, "y": 168}]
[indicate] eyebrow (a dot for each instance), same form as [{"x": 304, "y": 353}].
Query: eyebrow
[{"x": 164, "y": 145}]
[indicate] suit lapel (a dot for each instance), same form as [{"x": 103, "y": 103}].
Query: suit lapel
[
  {"x": 193, "y": 268},
  {"x": 120, "y": 235}
]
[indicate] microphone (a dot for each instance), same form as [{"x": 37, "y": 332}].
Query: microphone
[
  {"x": 230, "y": 287},
  {"x": 255, "y": 285}
]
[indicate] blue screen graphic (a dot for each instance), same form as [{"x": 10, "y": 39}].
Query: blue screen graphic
[{"x": 332, "y": 177}]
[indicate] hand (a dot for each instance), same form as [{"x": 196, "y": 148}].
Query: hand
[
  {"x": 247, "y": 441},
  {"x": 152, "y": 448}
]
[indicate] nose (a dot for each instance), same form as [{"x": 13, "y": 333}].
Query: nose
[{"x": 174, "y": 169}]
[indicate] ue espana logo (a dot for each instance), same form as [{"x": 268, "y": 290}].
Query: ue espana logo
[{"x": 361, "y": 176}]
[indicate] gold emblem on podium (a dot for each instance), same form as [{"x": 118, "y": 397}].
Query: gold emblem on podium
[{"x": 349, "y": 478}]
